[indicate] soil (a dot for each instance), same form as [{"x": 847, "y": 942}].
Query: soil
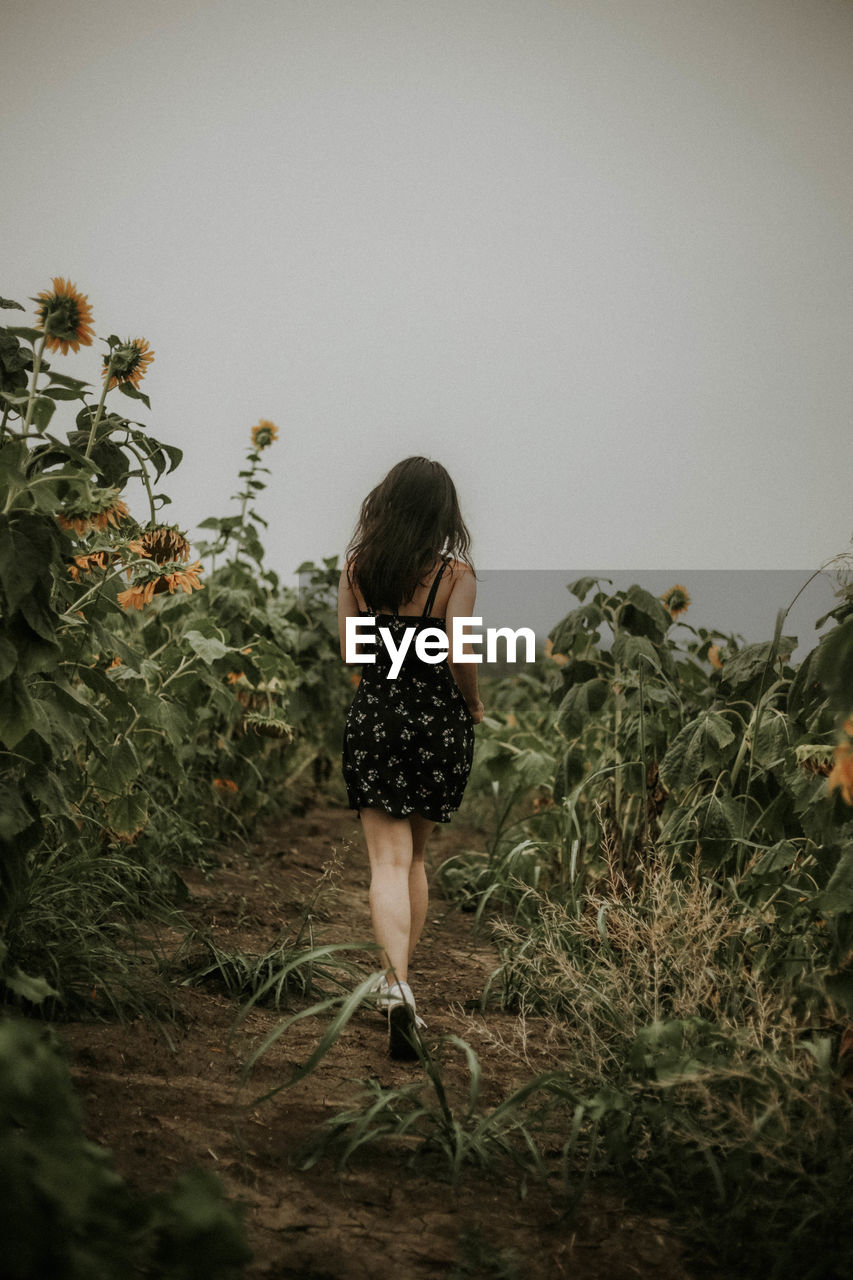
[{"x": 166, "y": 1096}]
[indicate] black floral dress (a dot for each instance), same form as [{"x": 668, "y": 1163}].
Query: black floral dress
[{"x": 408, "y": 741}]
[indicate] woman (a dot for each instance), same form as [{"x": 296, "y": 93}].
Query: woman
[{"x": 409, "y": 739}]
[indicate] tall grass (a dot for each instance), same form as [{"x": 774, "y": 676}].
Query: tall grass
[
  {"x": 85, "y": 920},
  {"x": 697, "y": 1076}
]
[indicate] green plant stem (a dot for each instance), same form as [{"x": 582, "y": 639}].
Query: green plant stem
[
  {"x": 617, "y": 726},
  {"x": 644, "y": 777},
  {"x": 145, "y": 480},
  {"x": 67, "y": 615},
  {"x": 36, "y": 370},
  {"x": 759, "y": 710},
  {"x": 99, "y": 412}
]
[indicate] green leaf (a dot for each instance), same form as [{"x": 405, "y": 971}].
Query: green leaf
[
  {"x": 128, "y": 389},
  {"x": 35, "y": 654},
  {"x": 838, "y": 895},
  {"x": 697, "y": 749},
  {"x": 113, "y": 774},
  {"x": 63, "y": 393},
  {"x": 36, "y": 990},
  {"x": 631, "y": 651},
  {"x": 21, "y": 564},
  {"x": 7, "y": 304},
  {"x": 8, "y": 657},
  {"x": 42, "y": 411},
  {"x": 46, "y": 789},
  {"x": 19, "y": 715},
  {"x": 720, "y": 819},
  {"x": 582, "y": 586},
  {"x": 643, "y": 614},
  {"x": 128, "y": 814},
  {"x": 100, "y": 683},
  {"x": 208, "y": 648},
  {"x": 778, "y": 857},
  {"x": 22, "y": 331},
  {"x": 14, "y": 814},
  {"x": 63, "y": 380},
  {"x": 747, "y": 665},
  {"x": 580, "y": 622},
  {"x": 835, "y": 666},
  {"x": 35, "y": 607},
  {"x": 580, "y": 704}
]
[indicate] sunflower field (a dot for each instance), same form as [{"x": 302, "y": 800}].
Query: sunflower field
[
  {"x": 668, "y": 876},
  {"x": 663, "y": 859},
  {"x": 148, "y": 708}
]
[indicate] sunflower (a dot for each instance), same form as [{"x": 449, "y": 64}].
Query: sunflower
[
  {"x": 269, "y": 726},
  {"x": 156, "y": 580},
  {"x": 88, "y": 564},
  {"x": 225, "y": 784},
  {"x": 129, "y": 362},
  {"x": 560, "y": 658},
  {"x": 714, "y": 656},
  {"x": 103, "y": 509},
  {"x": 65, "y": 316},
  {"x": 676, "y": 600},
  {"x": 164, "y": 543},
  {"x": 264, "y": 434},
  {"x": 841, "y": 777}
]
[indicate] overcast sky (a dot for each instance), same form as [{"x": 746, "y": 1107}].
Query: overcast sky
[{"x": 593, "y": 255}]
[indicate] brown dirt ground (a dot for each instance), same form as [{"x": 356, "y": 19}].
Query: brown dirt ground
[{"x": 162, "y": 1097}]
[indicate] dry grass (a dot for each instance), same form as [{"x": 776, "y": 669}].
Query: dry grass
[{"x": 691, "y": 1061}]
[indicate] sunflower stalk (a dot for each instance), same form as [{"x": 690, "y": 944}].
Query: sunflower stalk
[
  {"x": 31, "y": 402},
  {"x": 70, "y": 615},
  {"x": 143, "y": 471},
  {"x": 99, "y": 412}
]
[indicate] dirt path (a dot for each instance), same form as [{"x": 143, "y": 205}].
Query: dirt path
[{"x": 162, "y": 1109}]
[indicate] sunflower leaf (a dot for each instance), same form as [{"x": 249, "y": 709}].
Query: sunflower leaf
[
  {"x": 128, "y": 389},
  {"x": 64, "y": 393},
  {"x": 208, "y": 648},
  {"x": 62, "y": 380},
  {"x": 7, "y": 304},
  {"x": 33, "y": 989},
  {"x": 19, "y": 331}
]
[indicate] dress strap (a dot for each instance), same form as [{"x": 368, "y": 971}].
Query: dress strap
[{"x": 431, "y": 597}]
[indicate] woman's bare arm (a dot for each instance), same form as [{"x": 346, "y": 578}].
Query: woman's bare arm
[
  {"x": 347, "y": 608},
  {"x": 460, "y": 604}
]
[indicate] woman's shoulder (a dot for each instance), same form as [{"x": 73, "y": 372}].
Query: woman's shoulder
[{"x": 458, "y": 568}]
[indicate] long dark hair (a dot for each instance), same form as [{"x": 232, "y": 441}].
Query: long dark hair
[{"x": 406, "y": 523}]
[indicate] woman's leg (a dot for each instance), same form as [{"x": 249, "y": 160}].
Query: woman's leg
[
  {"x": 390, "y": 849},
  {"x": 418, "y": 886}
]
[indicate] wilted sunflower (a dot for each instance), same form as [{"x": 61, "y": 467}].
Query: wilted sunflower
[
  {"x": 172, "y": 576},
  {"x": 103, "y": 509},
  {"x": 164, "y": 543},
  {"x": 129, "y": 362},
  {"x": 65, "y": 316},
  {"x": 841, "y": 777},
  {"x": 714, "y": 656},
  {"x": 560, "y": 658},
  {"x": 269, "y": 726},
  {"x": 264, "y": 434},
  {"x": 676, "y": 600},
  {"x": 87, "y": 564}
]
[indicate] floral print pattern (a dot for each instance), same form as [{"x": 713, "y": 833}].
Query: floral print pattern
[{"x": 408, "y": 741}]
